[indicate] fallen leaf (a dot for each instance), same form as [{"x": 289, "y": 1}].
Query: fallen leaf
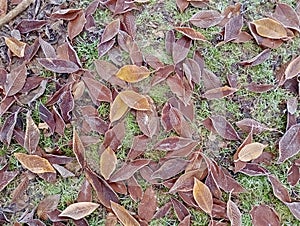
[
  {"x": 238, "y": 165},
  {"x": 173, "y": 143},
  {"x": 287, "y": 16},
  {"x": 206, "y": 18},
  {"x": 259, "y": 88},
  {"x": 289, "y": 144},
  {"x": 210, "y": 80},
  {"x": 260, "y": 58},
  {"x": 270, "y": 28},
  {"x": 135, "y": 100},
  {"x": 148, "y": 205},
  {"x": 76, "y": 25},
  {"x": 85, "y": 193},
  {"x": 16, "y": 46},
  {"x": 264, "y": 215},
  {"x": 251, "y": 151},
  {"x": 7, "y": 128},
  {"x": 220, "y": 92},
  {"x": 133, "y": 73},
  {"x": 190, "y": 33},
  {"x": 28, "y": 25},
  {"x": 6, "y": 177},
  {"x": 108, "y": 162},
  {"x": 123, "y": 215},
  {"x": 34, "y": 163},
  {"x": 169, "y": 168},
  {"x": 66, "y": 14},
  {"x": 58, "y": 65},
  {"x": 180, "y": 210},
  {"x": 79, "y": 210},
  {"x": 78, "y": 149},
  {"x": 248, "y": 125},
  {"x": 279, "y": 190},
  {"x": 15, "y": 80},
  {"x": 117, "y": 109},
  {"x": 233, "y": 213},
  {"x": 182, "y": 5},
  {"x": 203, "y": 196},
  {"x": 104, "y": 47},
  {"x": 233, "y": 28},
  {"x": 293, "y": 176},
  {"x": 180, "y": 49},
  {"x": 134, "y": 189},
  {"x": 32, "y": 134},
  {"x": 294, "y": 207},
  {"x": 110, "y": 31},
  {"x": 293, "y": 69},
  {"x": 48, "y": 204},
  {"x": 148, "y": 121},
  {"x": 3, "y": 8}
]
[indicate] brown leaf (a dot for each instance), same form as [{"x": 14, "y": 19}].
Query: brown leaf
[
  {"x": 15, "y": 80},
  {"x": 117, "y": 109},
  {"x": 206, "y": 18},
  {"x": 294, "y": 207},
  {"x": 251, "y": 151},
  {"x": 233, "y": 213},
  {"x": 169, "y": 168},
  {"x": 138, "y": 147},
  {"x": 66, "y": 14},
  {"x": 253, "y": 169},
  {"x": 48, "y": 204},
  {"x": 28, "y": 25},
  {"x": 78, "y": 149},
  {"x": 79, "y": 210},
  {"x": 192, "y": 71},
  {"x": 169, "y": 41},
  {"x": 238, "y": 165},
  {"x": 113, "y": 137},
  {"x": 108, "y": 162},
  {"x": 3, "y": 8},
  {"x": 85, "y": 193},
  {"x": 270, "y": 28},
  {"x": 180, "y": 210},
  {"x": 104, "y": 47},
  {"x": 248, "y": 125},
  {"x": 180, "y": 49},
  {"x": 110, "y": 31},
  {"x": 264, "y": 215},
  {"x": 58, "y": 65},
  {"x": 190, "y": 33},
  {"x": 134, "y": 189},
  {"x": 293, "y": 176},
  {"x": 16, "y": 46},
  {"x": 32, "y": 134},
  {"x": 203, "y": 196},
  {"x": 135, "y": 100},
  {"x": 233, "y": 28},
  {"x": 287, "y": 16},
  {"x": 220, "y": 92},
  {"x": 66, "y": 104},
  {"x": 210, "y": 80},
  {"x": 180, "y": 87},
  {"x": 6, "y": 177},
  {"x": 34, "y": 163},
  {"x": 260, "y": 58},
  {"x": 123, "y": 215},
  {"x": 293, "y": 69},
  {"x": 63, "y": 171},
  {"x": 7, "y": 129},
  {"x": 182, "y": 5},
  {"x": 76, "y": 25},
  {"x": 133, "y": 73},
  {"x": 279, "y": 190},
  {"x": 259, "y": 88},
  {"x": 289, "y": 144},
  {"x": 148, "y": 205},
  {"x": 148, "y": 121},
  {"x": 173, "y": 143},
  {"x": 128, "y": 169}
]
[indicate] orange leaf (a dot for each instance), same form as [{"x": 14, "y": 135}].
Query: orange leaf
[
  {"x": 135, "y": 100},
  {"x": 203, "y": 196},
  {"x": 293, "y": 69},
  {"x": 108, "y": 162},
  {"x": 133, "y": 73},
  {"x": 34, "y": 163},
  {"x": 16, "y": 46},
  {"x": 79, "y": 210},
  {"x": 123, "y": 215},
  {"x": 270, "y": 28},
  {"x": 251, "y": 151},
  {"x": 117, "y": 109},
  {"x": 191, "y": 33}
]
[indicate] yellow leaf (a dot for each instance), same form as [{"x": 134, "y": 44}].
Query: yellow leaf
[
  {"x": 270, "y": 28},
  {"x": 133, "y": 73},
  {"x": 34, "y": 163},
  {"x": 79, "y": 210},
  {"x": 123, "y": 215},
  {"x": 16, "y": 46},
  {"x": 251, "y": 151},
  {"x": 202, "y": 196},
  {"x": 117, "y": 109},
  {"x": 108, "y": 162},
  {"x": 135, "y": 100}
]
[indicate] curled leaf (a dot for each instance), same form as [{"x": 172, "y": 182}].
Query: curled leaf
[{"x": 270, "y": 28}]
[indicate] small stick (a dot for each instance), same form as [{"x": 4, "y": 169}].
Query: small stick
[{"x": 15, "y": 12}]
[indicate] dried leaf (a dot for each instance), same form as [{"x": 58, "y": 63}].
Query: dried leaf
[
  {"x": 220, "y": 92},
  {"x": 260, "y": 58},
  {"x": 133, "y": 73},
  {"x": 279, "y": 190},
  {"x": 108, "y": 162},
  {"x": 78, "y": 149},
  {"x": 180, "y": 210},
  {"x": 233, "y": 213},
  {"x": 76, "y": 25},
  {"x": 32, "y": 134},
  {"x": 6, "y": 177},
  {"x": 233, "y": 28},
  {"x": 16, "y": 46},
  {"x": 206, "y": 18},
  {"x": 287, "y": 16},
  {"x": 248, "y": 125},
  {"x": 203, "y": 196},
  {"x": 79, "y": 210},
  {"x": 289, "y": 144},
  {"x": 294, "y": 207},
  {"x": 123, "y": 215},
  {"x": 15, "y": 80},
  {"x": 180, "y": 87},
  {"x": 148, "y": 121},
  {"x": 104, "y": 47},
  {"x": 182, "y": 5},
  {"x": 210, "y": 80},
  {"x": 180, "y": 49},
  {"x": 293, "y": 69},
  {"x": 264, "y": 215},
  {"x": 251, "y": 151},
  {"x": 169, "y": 168},
  {"x": 28, "y": 25},
  {"x": 85, "y": 193},
  {"x": 191, "y": 33},
  {"x": 293, "y": 176},
  {"x": 173, "y": 143},
  {"x": 34, "y": 163},
  {"x": 259, "y": 88},
  {"x": 135, "y": 100},
  {"x": 48, "y": 204},
  {"x": 117, "y": 109},
  {"x": 66, "y": 14},
  {"x": 3, "y": 8},
  {"x": 270, "y": 28},
  {"x": 110, "y": 31},
  {"x": 58, "y": 65},
  {"x": 7, "y": 129},
  {"x": 134, "y": 189},
  {"x": 148, "y": 205}
]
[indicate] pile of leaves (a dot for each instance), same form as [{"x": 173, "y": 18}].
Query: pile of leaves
[{"x": 68, "y": 99}]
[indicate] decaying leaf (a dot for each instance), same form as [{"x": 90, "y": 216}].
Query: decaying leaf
[
  {"x": 148, "y": 205},
  {"x": 16, "y": 46},
  {"x": 191, "y": 33},
  {"x": 6, "y": 176},
  {"x": 133, "y": 73},
  {"x": 135, "y": 100},
  {"x": 78, "y": 148},
  {"x": 234, "y": 214},
  {"x": 180, "y": 49},
  {"x": 76, "y": 25},
  {"x": 264, "y": 55},
  {"x": 264, "y": 215},
  {"x": 270, "y": 28},
  {"x": 170, "y": 168},
  {"x": 293, "y": 69},
  {"x": 286, "y": 15},
  {"x": 79, "y": 210},
  {"x": 58, "y": 65},
  {"x": 47, "y": 205},
  {"x": 248, "y": 125},
  {"x": 206, "y": 18},
  {"x": 108, "y": 162},
  {"x": 220, "y": 92},
  {"x": 203, "y": 196},
  {"x": 251, "y": 151},
  {"x": 32, "y": 134},
  {"x": 35, "y": 163},
  {"x": 15, "y": 80},
  {"x": 123, "y": 215},
  {"x": 117, "y": 109}
]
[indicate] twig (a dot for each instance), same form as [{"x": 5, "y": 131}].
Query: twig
[{"x": 15, "y": 12}]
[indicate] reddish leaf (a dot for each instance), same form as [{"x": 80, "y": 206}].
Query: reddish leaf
[
  {"x": 287, "y": 16},
  {"x": 260, "y": 58},
  {"x": 133, "y": 73},
  {"x": 233, "y": 28},
  {"x": 3, "y": 8},
  {"x": 293, "y": 175},
  {"x": 173, "y": 143},
  {"x": 15, "y": 80},
  {"x": 113, "y": 137},
  {"x": 253, "y": 169},
  {"x": 104, "y": 47},
  {"x": 97, "y": 91},
  {"x": 148, "y": 205},
  {"x": 34, "y": 163},
  {"x": 6, "y": 177},
  {"x": 128, "y": 169},
  {"x": 294, "y": 207},
  {"x": 139, "y": 146},
  {"x": 59, "y": 122},
  {"x": 169, "y": 42},
  {"x": 220, "y": 92},
  {"x": 259, "y": 88},
  {"x": 148, "y": 121},
  {"x": 163, "y": 211},
  {"x": 180, "y": 87},
  {"x": 28, "y": 25},
  {"x": 110, "y": 31},
  {"x": 180, "y": 49},
  {"x": 32, "y": 134},
  {"x": 48, "y": 204},
  {"x": 190, "y": 33},
  {"x": 134, "y": 189},
  {"x": 85, "y": 193},
  {"x": 293, "y": 69},
  {"x": 123, "y": 215},
  {"x": 7, "y": 128},
  {"x": 289, "y": 144},
  {"x": 233, "y": 213},
  {"x": 270, "y": 28},
  {"x": 210, "y": 80},
  {"x": 248, "y": 125},
  {"x": 66, "y": 104},
  {"x": 79, "y": 210},
  {"x": 229, "y": 12},
  {"x": 57, "y": 65},
  {"x": 180, "y": 210},
  {"x": 170, "y": 168},
  {"x": 192, "y": 71},
  {"x": 264, "y": 215},
  {"x": 203, "y": 196},
  {"x": 182, "y": 5},
  {"x": 135, "y": 100},
  {"x": 15, "y": 46},
  {"x": 279, "y": 190},
  {"x": 206, "y": 18},
  {"x": 76, "y": 25},
  {"x": 78, "y": 149},
  {"x": 108, "y": 162}
]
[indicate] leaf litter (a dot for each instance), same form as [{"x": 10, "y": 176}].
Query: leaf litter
[{"x": 35, "y": 106}]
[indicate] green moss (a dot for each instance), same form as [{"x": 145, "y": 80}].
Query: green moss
[{"x": 199, "y": 218}]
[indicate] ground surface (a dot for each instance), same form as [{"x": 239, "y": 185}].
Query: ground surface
[{"x": 85, "y": 127}]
